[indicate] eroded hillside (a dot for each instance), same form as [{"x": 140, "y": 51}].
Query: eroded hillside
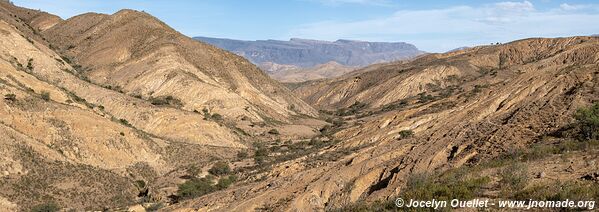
[
  {"x": 85, "y": 130},
  {"x": 109, "y": 112},
  {"x": 155, "y": 61},
  {"x": 477, "y": 111}
]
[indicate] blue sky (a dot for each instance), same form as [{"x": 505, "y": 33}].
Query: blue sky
[{"x": 433, "y": 26}]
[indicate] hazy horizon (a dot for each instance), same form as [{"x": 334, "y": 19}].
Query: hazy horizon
[{"x": 433, "y": 26}]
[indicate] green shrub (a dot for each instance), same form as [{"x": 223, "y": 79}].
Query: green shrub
[
  {"x": 514, "y": 177},
  {"x": 166, "y": 100},
  {"x": 30, "y": 64},
  {"x": 273, "y": 132},
  {"x": 539, "y": 151},
  {"x": 45, "y": 96},
  {"x": 140, "y": 184},
  {"x": 452, "y": 185},
  {"x": 351, "y": 110},
  {"x": 124, "y": 122},
  {"x": 10, "y": 97},
  {"x": 225, "y": 182},
  {"x": 588, "y": 121},
  {"x": 261, "y": 151},
  {"x": 424, "y": 98},
  {"x": 196, "y": 187},
  {"x": 559, "y": 191},
  {"x": 406, "y": 134},
  {"x": 192, "y": 170},
  {"x": 220, "y": 168},
  {"x": 46, "y": 207},
  {"x": 77, "y": 98},
  {"x": 217, "y": 117}
]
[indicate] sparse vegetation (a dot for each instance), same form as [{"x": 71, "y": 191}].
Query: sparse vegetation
[
  {"x": 166, "y": 100},
  {"x": 225, "y": 182},
  {"x": 30, "y": 64},
  {"x": 454, "y": 184},
  {"x": 587, "y": 120},
  {"x": 242, "y": 154},
  {"x": 110, "y": 87},
  {"x": 514, "y": 177},
  {"x": 29, "y": 40},
  {"x": 192, "y": 170},
  {"x": 406, "y": 134},
  {"x": 46, "y": 207},
  {"x": 140, "y": 184},
  {"x": 220, "y": 168},
  {"x": 76, "y": 98},
  {"x": 394, "y": 106},
  {"x": 273, "y": 132},
  {"x": 424, "y": 98},
  {"x": 196, "y": 187},
  {"x": 10, "y": 97},
  {"x": 217, "y": 117},
  {"x": 45, "y": 95},
  {"x": 260, "y": 154},
  {"x": 208, "y": 116},
  {"x": 352, "y": 109},
  {"x": 572, "y": 190},
  {"x": 478, "y": 89},
  {"x": 124, "y": 122}
]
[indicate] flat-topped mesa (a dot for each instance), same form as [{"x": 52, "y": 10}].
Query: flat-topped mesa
[{"x": 307, "y": 53}]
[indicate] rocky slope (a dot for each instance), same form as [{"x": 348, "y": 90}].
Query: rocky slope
[
  {"x": 156, "y": 61},
  {"x": 109, "y": 112},
  {"x": 92, "y": 121},
  {"x": 437, "y": 113},
  {"x": 302, "y": 53}
]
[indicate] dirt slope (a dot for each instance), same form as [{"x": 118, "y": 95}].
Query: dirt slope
[
  {"x": 464, "y": 107},
  {"x": 73, "y": 141},
  {"x": 156, "y": 61}
]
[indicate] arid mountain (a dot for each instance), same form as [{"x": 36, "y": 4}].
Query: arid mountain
[
  {"x": 156, "y": 61},
  {"x": 99, "y": 110},
  {"x": 488, "y": 121},
  {"x": 121, "y": 112},
  {"x": 305, "y": 54}
]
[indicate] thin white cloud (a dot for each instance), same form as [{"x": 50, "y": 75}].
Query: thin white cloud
[
  {"x": 515, "y": 6},
  {"x": 364, "y": 2},
  {"x": 572, "y": 7},
  {"x": 444, "y": 29}
]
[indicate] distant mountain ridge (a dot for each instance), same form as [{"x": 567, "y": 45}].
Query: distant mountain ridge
[{"x": 304, "y": 53}]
